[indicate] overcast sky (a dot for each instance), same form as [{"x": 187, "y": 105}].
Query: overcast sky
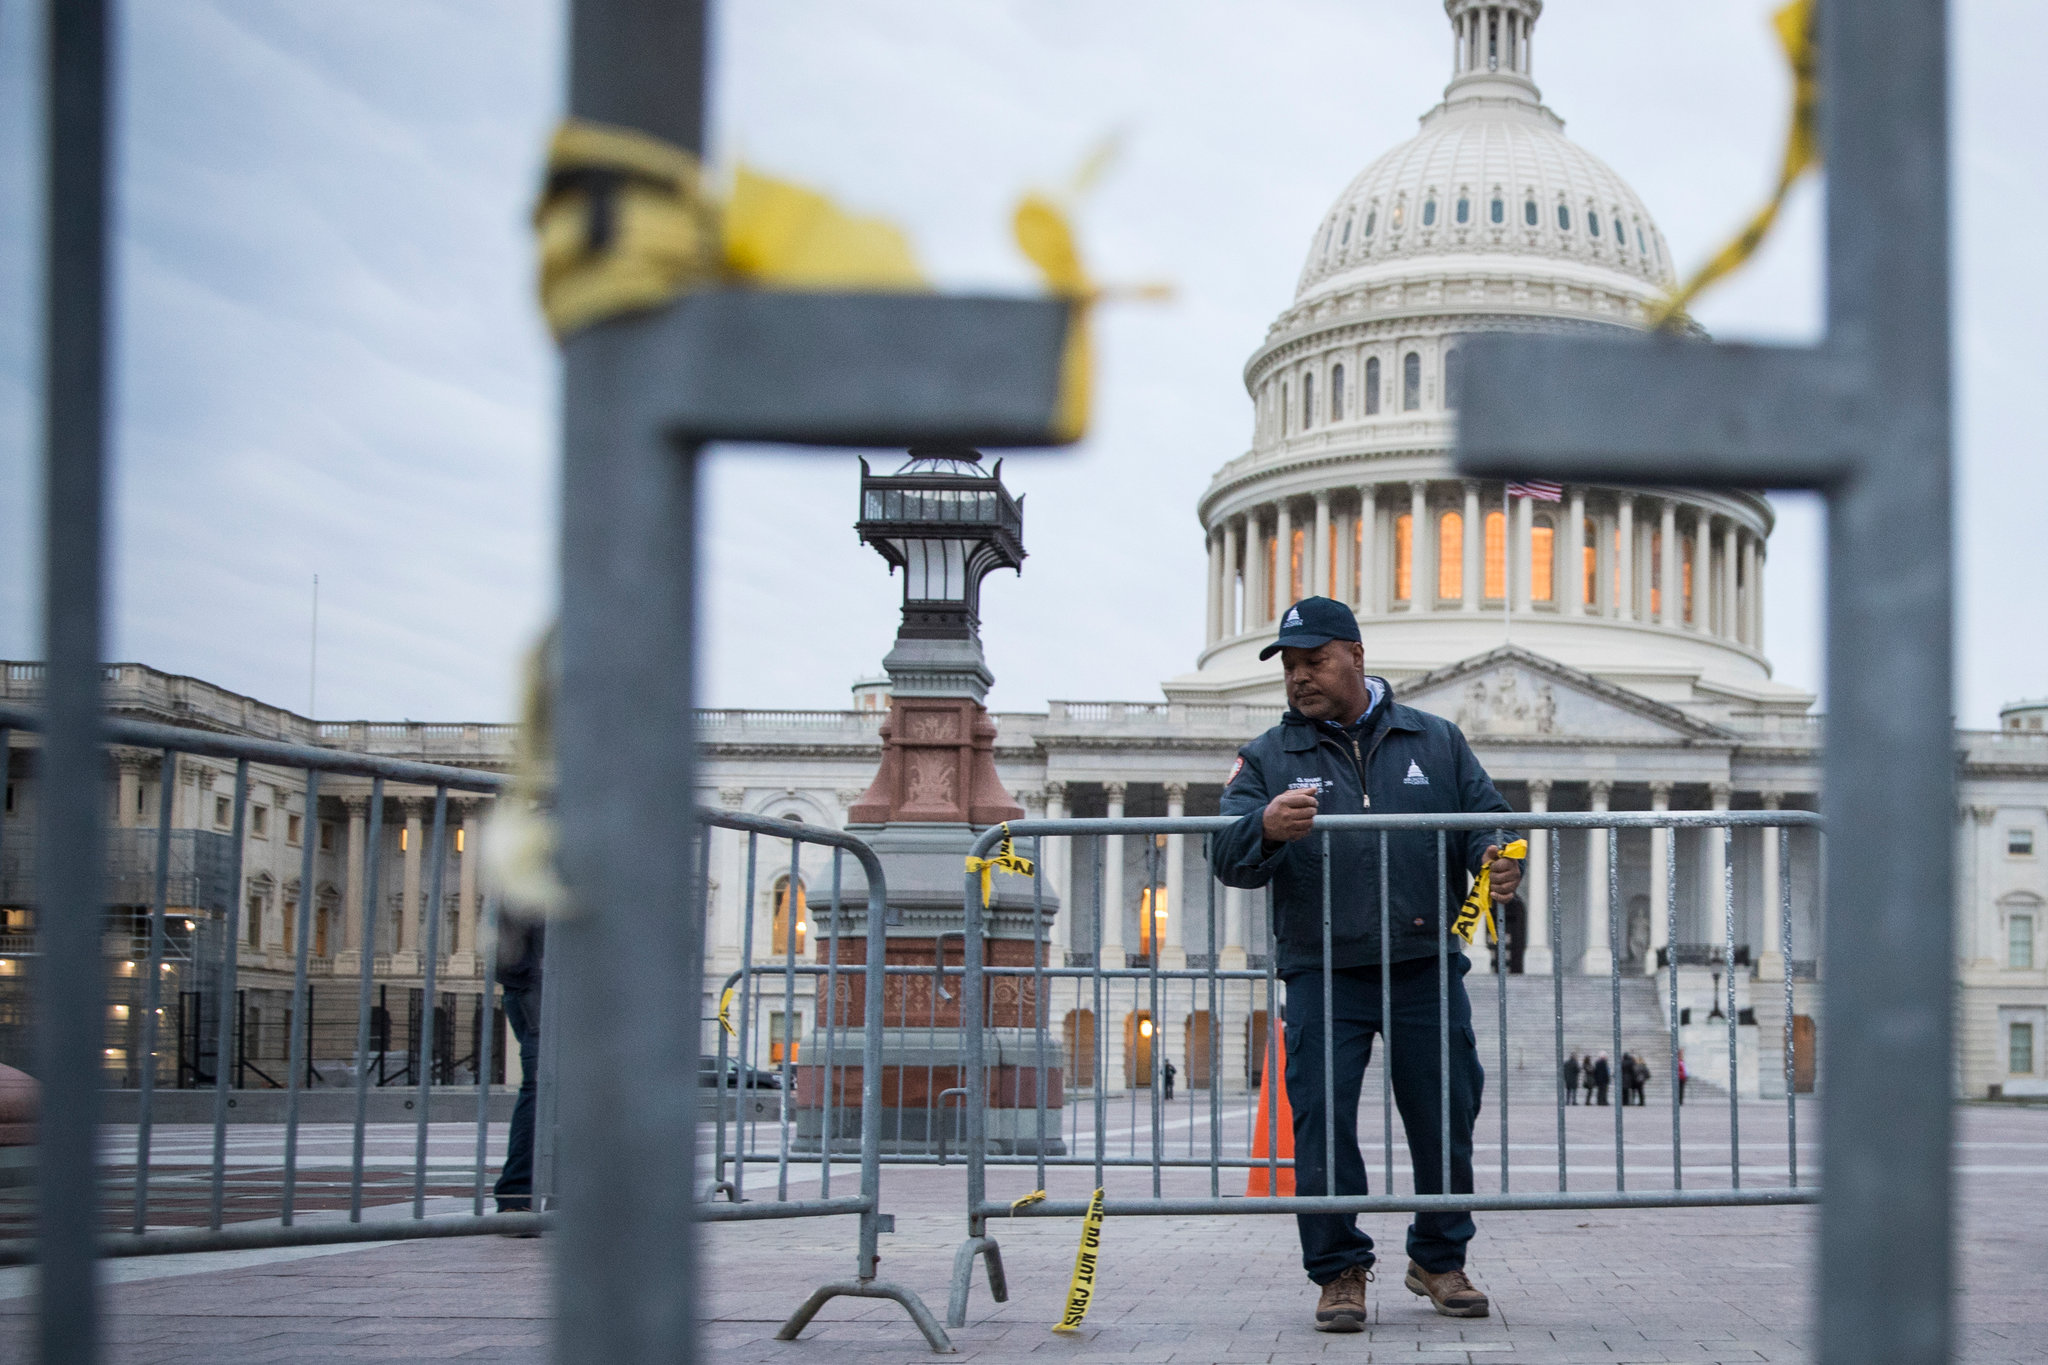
[{"x": 329, "y": 359}]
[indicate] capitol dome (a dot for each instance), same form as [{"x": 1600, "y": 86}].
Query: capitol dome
[{"x": 1488, "y": 219}]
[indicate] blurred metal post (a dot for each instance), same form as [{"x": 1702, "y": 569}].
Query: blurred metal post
[
  {"x": 1865, "y": 418},
  {"x": 70, "y": 836}
]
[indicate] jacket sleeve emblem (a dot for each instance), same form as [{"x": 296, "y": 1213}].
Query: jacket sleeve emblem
[{"x": 1235, "y": 769}]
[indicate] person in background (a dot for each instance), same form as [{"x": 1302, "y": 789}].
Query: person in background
[
  {"x": 1603, "y": 1076},
  {"x": 1683, "y": 1075},
  {"x": 1571, "y": 1079},
  {"x": 1642, "y": 1081},
  {"x": 1167, "y": 1071},
  {"x": 1586, "y": 1077},
  {"x": 521, "y": 946},
  {"x": 1628, "y": 1077}
]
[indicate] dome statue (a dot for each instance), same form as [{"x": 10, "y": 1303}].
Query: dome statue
[{"x": 1488, "y": 219}]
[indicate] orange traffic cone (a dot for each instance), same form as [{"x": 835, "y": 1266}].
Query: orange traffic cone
[{"x": 1272, "y": 1092}]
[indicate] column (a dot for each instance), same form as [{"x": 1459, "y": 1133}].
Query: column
[
  {"x": 463, "y": 961},
  {"x": 406, "y": 937},
  {"x": 1110, "y": 907},
  {"x": 1318, "y": 584},
  {"x": 1756, "y": 593},
  {"x": 1770, "y": 962},
  {"x": 1625, "y": 557},
  {"x": 1660, "y": 839},
  {"x": 1673, "y": 589},
  {"x": 1702, "y": 580},
  {"x": 1212, "y": 630},
  {"x": 1369, "y": 597},
  {"x": 354, "y": 894},
  {"x": 1571, "y": 554},
  {"x": 1421, "y": 543},
  {"x": 1254, "y": 572},
  {"x": 1729, "y": 625},
  {"x": 1056, "y": 856},
  {"x": 1227, "y": 611},
  {"x": 1174, "y": 948},
  {"x": 1521, "y": 558},
  {"x": 1713, "y": 869},
  {"x": 1475, "y": 551},
  {"x": 1599, "y": 958},
  {"x": 1344, "y": 562},
  {"x": 1283, "y": 558},
  {"x": 1536, "y": 957},
  {"x": 1749, "y": 594}
]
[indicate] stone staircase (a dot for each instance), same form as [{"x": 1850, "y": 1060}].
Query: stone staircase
[{"x": 1588, "y": 1027}]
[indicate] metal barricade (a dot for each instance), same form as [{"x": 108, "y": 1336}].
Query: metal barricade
[
  {"x": 303, "y": 1216},
  {"x": 1219, "y": 1137}
]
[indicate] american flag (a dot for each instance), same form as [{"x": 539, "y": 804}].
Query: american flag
[{"x": 1542, "y": 490}]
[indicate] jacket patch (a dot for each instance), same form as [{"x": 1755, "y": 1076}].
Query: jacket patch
[
  {"x": 1309, "y": 784},
  {"x": 1235, "y": 769},
  {"x": 1416, "y": 777}
]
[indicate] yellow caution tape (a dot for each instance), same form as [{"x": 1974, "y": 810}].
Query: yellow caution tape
[
  {"x": 1007, "y": 859},
  {"x": 1081, "y": 1291},
  {"x": 725, "y": 1011},
  {"x": 1479, "y": 904},
  {"x": 1794, "y": 23},
  {"x": 1035, "y": 1197}
]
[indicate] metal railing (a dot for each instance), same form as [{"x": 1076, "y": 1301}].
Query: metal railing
[{"x": 1207, "y": 1140}]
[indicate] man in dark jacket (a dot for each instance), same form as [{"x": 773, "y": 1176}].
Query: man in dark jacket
[
  {"x": 1571, "y": 1079},
  {"x": 1603, "y": 1076},
  {"x": 1346, "y": 747},
  {"x": 521, "y": 947}
]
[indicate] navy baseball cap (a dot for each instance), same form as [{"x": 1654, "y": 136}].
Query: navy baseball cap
[{"x": 1313, "y": 621}]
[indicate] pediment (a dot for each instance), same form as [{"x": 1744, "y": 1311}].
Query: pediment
[{"x": 1512, "y": 694}]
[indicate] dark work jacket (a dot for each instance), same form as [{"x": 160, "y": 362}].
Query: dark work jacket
[
  {"x": 1413, "y": 763},
  {"x": 522, "y": 946}
]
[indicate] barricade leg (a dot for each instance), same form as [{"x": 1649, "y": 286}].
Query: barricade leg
[
  {"x": 934, "y": 1334},
  {"x": 963, "y": 1277}
]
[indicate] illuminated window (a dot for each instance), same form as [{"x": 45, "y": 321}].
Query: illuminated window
[
  {"x": 1336, "y": 393},
  {"x": 2019, "y": 1049},
  {"x": 1590, "y": 589},
  {"x": 1400, "y": 216},
  {"x": 781, "y": 930},
  {"x": 2019, "y": 942},
  {"x": 1296, "y": 549},
  {"x": 459, "y": 841},
  {"x": 1542, "y": 546},
  {"x": 291, "y": 924},
  {"x": 1496, "y": 556},
  {"x": 1656, "y": 573},
  {"x": 782, "y": 1038},
  {"x": 1372, "y": 386},
  {"x": 1404, "y": 557},
  {"x": 1330, "y": 559},
  {"x": 1151, "y": 921},
  {"x": 1411, "y": 381},
  {"x": 1450, "y": 555},
  {"x": 1358, "y": 555},
  {"x": 1685, "y": 582}
]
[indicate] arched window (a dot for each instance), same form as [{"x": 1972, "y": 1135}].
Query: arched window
[
  {"x": 1464, "y": 209},
  {"x": 1429, "y": 212},
  {"x": 1308, "y": 401},
  {"x": 1542, "y": 561},
  {"x": 803, "y": 927},
  {"x": 1499, "y": 212},
  {"x": 1372, "y": 216},
  {"x": 1454, "y": 379},
  {"x": 1645, "y": 250},
  {"x": 1404, "y": 558},
  {"x": 1411, "y": 381},
  {"x": 1336, "y": 393},
  {"x": 1564, "y": 218},
  {"x": 1372, "y": 385},
  {"x": 1590, "y": 589},
  {"x": 1400, "y": 216},
  {"x": 1345, "y": 239},
  {"x": 1496, "y": 556},
  {"x": 1529, "y": 212},
  {"x": 1592, "y": 223},
  {"x": 1450, "y": 555},
  {"x": 1285, "y": 400}
]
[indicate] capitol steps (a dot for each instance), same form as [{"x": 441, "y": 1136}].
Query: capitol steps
[{"x": 1588, "y": 1027}]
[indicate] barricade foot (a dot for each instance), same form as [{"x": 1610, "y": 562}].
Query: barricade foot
[
  {"x": 934, "y": 1335},
  {"x": 963, "y": 1277}
]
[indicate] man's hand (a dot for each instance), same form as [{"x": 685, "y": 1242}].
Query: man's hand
[
  {"x": 1506, "y": 873},
  {"x": 1289, "y": 816}
]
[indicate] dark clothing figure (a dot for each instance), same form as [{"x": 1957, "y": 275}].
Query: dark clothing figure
[
  {"x": 521, "y": 947},
  {"x": 1603, "y": 1076},
  {"x": 1642, "y": 1080},
  {"x": 1393, "y": 760},
  {"x": 1167, "y": 1072},
  {"x": 1571, "y": 1079},
  {"x": 1332, "y": 1242},
  {"x": 1628, "y": 1078}
]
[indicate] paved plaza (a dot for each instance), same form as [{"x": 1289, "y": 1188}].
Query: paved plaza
[{"x": 1662, "y": 1286}]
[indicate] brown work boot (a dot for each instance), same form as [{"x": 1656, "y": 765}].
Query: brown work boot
[
  {"x": 1453, "y": 1292},
  {"x": 1342, "y": 1306}
]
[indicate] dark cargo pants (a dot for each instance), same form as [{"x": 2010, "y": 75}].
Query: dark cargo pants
[{"x": 1332, "y": 1242}]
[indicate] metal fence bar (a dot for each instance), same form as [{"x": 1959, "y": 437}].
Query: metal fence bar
[
  {"x": 1329, "y": 1041},
  {"x": 1443, "y": 1002},
  {"x": 1500, "y": 971},
  {"x": 1615, "y": 947},
  {"x": 1386, "y": 1021},
  {"x": 746, "y": 1052},
  {"x": 1554, "y": 851},
  {"x": 1039, "y": 1002},
  {"x": 167, "y": 785},
  {"x": 1272, "y": 1078},
  {"x": 829, "y": 1125},
  {"x": 1784, "y": 838},
  {"x": 486, "y": 1041},
  {"x": 297, "y": 1049},
  {"x": 230, "y": 1020},
  {"x": 1671, "y": 1002},
  {"x": 1734, "y": 1060},
  {"x": 423, "y": 1046},
  {"x": 789, "y": 931},
  {"x": 372, "y": 859}
]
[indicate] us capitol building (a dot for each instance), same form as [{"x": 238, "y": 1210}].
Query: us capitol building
[{"x": 1602, "y": 650}]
